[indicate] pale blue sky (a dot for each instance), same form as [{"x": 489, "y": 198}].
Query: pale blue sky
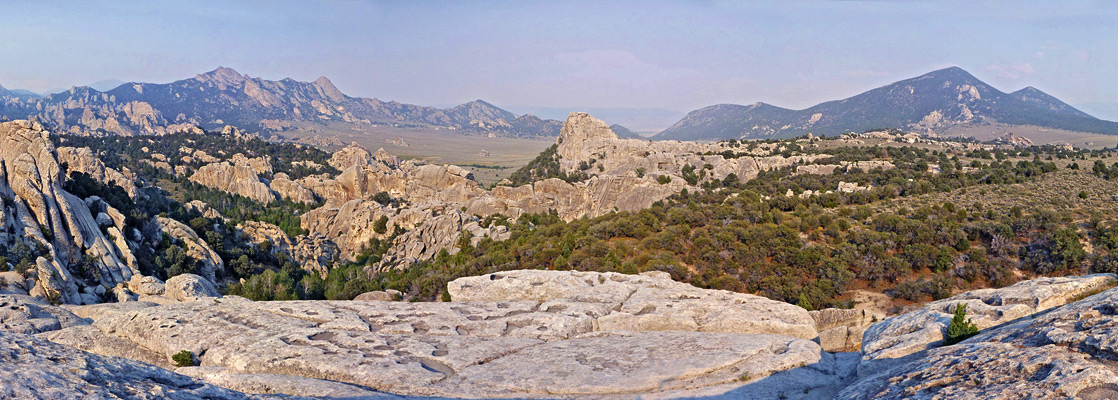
[{"x": 530, "y": 55}]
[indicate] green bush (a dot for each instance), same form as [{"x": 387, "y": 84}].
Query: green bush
[
  {"x": 183, "y": 358},
  {"x": 663, "y": 179},
  {"x": 961, "y": 327}
]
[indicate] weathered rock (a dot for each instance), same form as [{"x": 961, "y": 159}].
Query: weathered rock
[
  {"x": 1064, "y": 353},
  {"x": 189, "y": 287},
  {"x": 239, "y": 178},
  {"x": 146, "y": 285},
  {"x": 283, "y": 384},
  {"x": 289, "y": 189},
  {"x": 904, "y": 337},
  {"x": 545, "y": 347},
  {"x": 374, "y": 296},
  {"x": 35, "y": 368},
  {"x": 204, "y": 209},
  {"x": 651, "y": 302},
  {"x": 43, "y": 215},
  {"x": 27, "y": 315},
  {"x": 841, "y": 330},
  {"x": 208, "y": 260},
  {"x": 83, "y": 160},
  {"x": 260, "y": 165},
  {"x": 313, "y": 253}
]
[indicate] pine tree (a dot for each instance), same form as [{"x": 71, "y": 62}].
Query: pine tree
[{"x": 961, "y": 327}]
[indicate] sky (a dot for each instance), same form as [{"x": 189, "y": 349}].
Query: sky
[{"x": 644, "y": 62}]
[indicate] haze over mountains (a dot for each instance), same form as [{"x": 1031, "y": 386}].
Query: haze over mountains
[
  {"x": 224, "y": 96},
  {"x": 940, "y": 102},
  {"x": 937, "y": 102}
]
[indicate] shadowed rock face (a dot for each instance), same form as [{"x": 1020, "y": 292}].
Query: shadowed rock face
[
  {"x": 904, "y": 337},
  {"x": 83, "y": 160},
  {"x": 31, "y": 368},
  {"x": 1065, "y": 353}
]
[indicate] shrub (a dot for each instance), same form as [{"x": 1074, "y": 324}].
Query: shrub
[
  {"x": 961, "y": 327},
  {"x": 183, "y": 358},
  {"x": 663, "y": 179},
  {"x": 381, "y": 225}
]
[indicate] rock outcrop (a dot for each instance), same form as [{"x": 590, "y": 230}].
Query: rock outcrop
[
  {"x": 313, "y": 253},
  {"x": 578, "y": 335},
  {"x": 189, "y": 287},
  {"x": 44, "y": 216},
  {"x": 624, "y": 175},
  {"x": 649, "y": 302},
  {"x": 905, "y": 337},
  {"x": 842, "y": 330},
  {"x": 1065, "y": 353},
  {"x": 27, "y": 315},
  {"x": 289, "y": 189},
  {"x": 32, "y": 367},
  {"x": 236, "y": 178},
  {"x": 209, "y": 262},
  {"x": 83, "y": 160}
]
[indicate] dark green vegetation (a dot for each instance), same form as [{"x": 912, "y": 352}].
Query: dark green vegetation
[
  {"x": 183, "y": 358},
  {"x": 545, "y": 166},
  {"x": 120, "y": 152},
  {"x": 961, "y": 327},
  {"x": 164, "y": 194},
  {"x": 811, "y": 251},
  {"x": 900, "y": 105}
]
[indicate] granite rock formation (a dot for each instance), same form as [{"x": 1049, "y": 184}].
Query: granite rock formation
[
  {"x": 1064, "y": 353},
  {"x": 583, "y": 337},
  {"x": 43, "y": 215},
  {"x": 905, "y": 337}
]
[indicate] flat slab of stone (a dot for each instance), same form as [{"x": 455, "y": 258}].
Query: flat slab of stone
[
  {"x": 639, "y": 362},
  {"x": 646, "y": 302},
  {"x": 476, "y": 350},
  {"x": 33, "y": 368},
  {"x": 28, "y": 315}
]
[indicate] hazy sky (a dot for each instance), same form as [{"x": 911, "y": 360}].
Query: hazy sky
[{"x": 528, "y": 55}]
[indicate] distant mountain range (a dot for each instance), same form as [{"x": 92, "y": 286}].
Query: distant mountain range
[
  {"x": 226, "y": 97},
  {"x": 624, "y": 133},
  {"x": 936, "y": 102}
]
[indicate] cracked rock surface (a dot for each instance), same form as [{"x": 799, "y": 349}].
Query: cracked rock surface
[
  {"x": 904, "y": 337},
  {"x": 560, "y": 345},
  {"x": 33, "y": 368},
  {"x": 1068, "y": 352}
]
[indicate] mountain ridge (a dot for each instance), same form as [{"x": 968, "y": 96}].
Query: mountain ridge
[
  {"x": 224, "y": 96},
  {"x": 934, "y": 102}
]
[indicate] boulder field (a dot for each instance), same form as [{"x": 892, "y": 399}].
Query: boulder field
[{"x": 560, "y": 334}]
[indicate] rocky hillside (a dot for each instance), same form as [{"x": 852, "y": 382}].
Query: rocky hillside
[
  {"x": 548, "y": 334},
  {"x": 67, "y": 248},
  {"x": 934, "y": 102},
  {"x": 226, "y": 97}
]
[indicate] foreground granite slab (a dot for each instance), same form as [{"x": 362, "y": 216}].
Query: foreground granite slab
[
  {"x": 33, "y": 368},
  {"x": 596, "y": 335}
]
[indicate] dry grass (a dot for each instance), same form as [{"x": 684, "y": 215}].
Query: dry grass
[{"x": 438, "y": 146}]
